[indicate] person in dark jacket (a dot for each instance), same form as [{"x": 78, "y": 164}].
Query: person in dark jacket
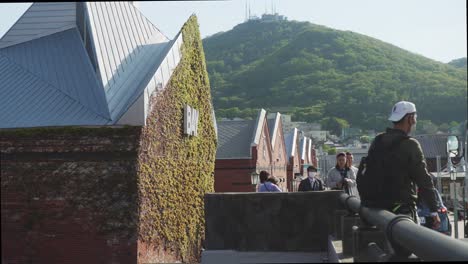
[
  {"x": 312, "y": 183},
  {"x": 408, "y": 169}
]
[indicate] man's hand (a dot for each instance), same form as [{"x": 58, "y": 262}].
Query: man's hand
[{"x": 436, "y": 221}]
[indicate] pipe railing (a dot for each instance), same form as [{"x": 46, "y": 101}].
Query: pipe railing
[{"x": 427, "y": 244}]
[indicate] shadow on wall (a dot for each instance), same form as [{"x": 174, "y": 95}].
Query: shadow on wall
[{"x": 270, "y": 221}]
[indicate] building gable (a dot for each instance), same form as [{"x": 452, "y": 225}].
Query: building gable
[{"x": 112, "y": 63}]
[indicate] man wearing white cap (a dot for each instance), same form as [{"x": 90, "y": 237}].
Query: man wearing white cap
[{"x": 394, "y": 165}]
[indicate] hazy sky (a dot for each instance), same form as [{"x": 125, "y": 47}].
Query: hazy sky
[{"x": 433, "y": 28}]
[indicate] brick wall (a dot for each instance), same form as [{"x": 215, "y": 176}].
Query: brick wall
[
  {"x": 279, "y": 159},
  {"x": 233, "y": 175},
  {"x": 69, "y": 195}
]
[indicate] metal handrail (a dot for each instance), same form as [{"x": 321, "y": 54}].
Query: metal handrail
[{"x": 425, "y": 243}]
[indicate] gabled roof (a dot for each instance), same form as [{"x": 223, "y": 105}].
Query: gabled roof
[
  {"x": 259, "y": 127},
  {"x": 105, "y": 57},
  {"x": 305, "y": 147},
  {"x": 40, "y": 20},
  {"x": 433, "y": 145},
  {"x": 273, "y": 127},
  {"x": 290, "y": 140},
  {"x": 236, "y": 137},
  {"x": 35, "y": 100}
]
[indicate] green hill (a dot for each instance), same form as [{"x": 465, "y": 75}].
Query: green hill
[
  {"x": 315, "y": 73},
  {"x": 459, "y": 63}
]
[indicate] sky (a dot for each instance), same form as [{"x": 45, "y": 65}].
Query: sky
[{"x": 433, "y": 28}]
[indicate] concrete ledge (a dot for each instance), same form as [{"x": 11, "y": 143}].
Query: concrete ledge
[
  {"x": 298, "y": 221},
  {"x": 235, "y": 257},
  {"x": 335, "y": 252}
]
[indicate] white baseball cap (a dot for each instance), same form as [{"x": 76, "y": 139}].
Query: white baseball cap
[{"x": 400, "y": 109}]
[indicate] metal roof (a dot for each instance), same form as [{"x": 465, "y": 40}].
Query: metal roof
[
  {"x": 105, "y": 56},
  {"x": 259, "y": 126},
  {"x": 31, "y": 101},
  {"x": 61, "y": 60},
  {"x": 235, "y": 138},
  {"x": 290, "y": 140},
  {"x": 273, "y": 125},
  {"x": 433, "y": 145},
  {"x": 40, "y": 20},
  {"x": 305, "y": 148}
]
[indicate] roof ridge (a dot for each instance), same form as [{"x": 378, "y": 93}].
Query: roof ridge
[
  {"x": 53, "y": 86},
  {"x": 149, "y": 21},
  {"x": 59, "y": 30},
  {"x": 6, "y": 33},
  {"x": 39, "y": 32}
]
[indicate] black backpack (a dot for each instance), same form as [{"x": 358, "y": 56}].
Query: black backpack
[{"x": 377, "y": 180}]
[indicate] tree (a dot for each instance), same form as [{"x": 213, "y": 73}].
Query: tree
[
  {"x": 329, "y": 150},
  {"x": 334, "y": 124},
  {"x": 426, "y": 127},
  {"x": 365, "y": 139}
]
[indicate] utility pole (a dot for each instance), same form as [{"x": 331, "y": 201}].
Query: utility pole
[
  {"x": 465, "y": 187},
  {"x": 439, "y": 180}
]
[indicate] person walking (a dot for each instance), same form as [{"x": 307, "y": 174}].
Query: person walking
[
  {"x": 312, "y": 182},
  {"x": 394, "y": 165},
  {"x": 349, "y": 162},
  {"x": 265, "y": 185},
  {"x": 274, "y": 180},
  {"x": 341, "y": 177}
]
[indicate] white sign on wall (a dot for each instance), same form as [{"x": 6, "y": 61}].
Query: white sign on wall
[{"x": 190, "y": 121}]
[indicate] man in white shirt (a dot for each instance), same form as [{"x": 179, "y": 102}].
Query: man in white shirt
[{"x": 349, "y": 162}]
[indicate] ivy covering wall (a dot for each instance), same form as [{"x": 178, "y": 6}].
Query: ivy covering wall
[{"x": 175, "y": 170}]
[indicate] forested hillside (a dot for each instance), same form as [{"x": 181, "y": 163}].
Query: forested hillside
[
  {"x": 318, "y": 73},
  {"x": 459, "y": 63}
]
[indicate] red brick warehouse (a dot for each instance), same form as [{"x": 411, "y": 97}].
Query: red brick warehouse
[
  {"x": 244, "y": 147},
  {"x": 107, "y": 148}
]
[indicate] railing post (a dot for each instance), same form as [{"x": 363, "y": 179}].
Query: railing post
[
  {"x": 338, "y": 226},
  {"x": 347, "y": 223},
  {"x": 362, "y": 236}
]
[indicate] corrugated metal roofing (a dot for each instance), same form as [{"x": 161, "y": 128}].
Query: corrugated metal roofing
[
  {"x": 40, "y": 19},
  {"x": 433, "y": 145},
  {"x": 119, "y": 33},
  {"x": 62, "y": 61},
  {"x": 28, "y": 101},
  {"x": 234, "y": 139},
  {"x": 112, "y": 61}
]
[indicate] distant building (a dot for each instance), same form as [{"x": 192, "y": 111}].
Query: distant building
[
  {"x": 279, "y": 158},
  {"x": 350, "y": 132},
  {"x": 294, "y": 159},
  {"x": 318, "y": 135},
  {"x": 306, "y": 153},
  {"x": 244, "y": 147},
  {"x": 311, "y": 130},
  {"x": 433, "y": 146},
  {"x": 273, "y": 17}
]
